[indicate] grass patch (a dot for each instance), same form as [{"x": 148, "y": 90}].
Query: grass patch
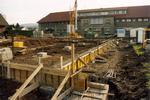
[
  {"x": 146, "y": 64},
  {"x": 148, "y": 77},
  {"x": 138, "y": 49}
]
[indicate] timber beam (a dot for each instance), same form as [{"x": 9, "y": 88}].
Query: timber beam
[
  {"x": 55, "y": 96},
  {"x": 23, "y": 86},
  {"x": 29, "y": 89},
  {"x": 46, "y": 70}
]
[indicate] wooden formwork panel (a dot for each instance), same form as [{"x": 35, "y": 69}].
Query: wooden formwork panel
[
  {"x": 90, "y": 56},
  {"x": 49, "y": 80},
  {"x": 17, "y": 75},
  {"x": 55, "y": 82},
  {"x": 54, "y": 77},
  {"x": 23, "y": 76},
  {"x": 12, "y": 73}
]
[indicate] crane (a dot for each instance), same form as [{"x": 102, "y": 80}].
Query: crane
[{"x": 73, "y": 22}]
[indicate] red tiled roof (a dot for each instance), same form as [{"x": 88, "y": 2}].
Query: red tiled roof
[
  {"x": 103, "y": 9},
  {"x": 132, "y": 12},
  {"x": 55, "y": 17},
  {"x": 138, "y": 11}
]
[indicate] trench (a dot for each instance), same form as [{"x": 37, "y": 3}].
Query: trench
[{"x": 130, "y": 83}]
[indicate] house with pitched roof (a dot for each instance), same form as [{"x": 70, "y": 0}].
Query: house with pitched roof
[
  {"x": 103, "y": 21},
  {"x": 3, "y": 23}
]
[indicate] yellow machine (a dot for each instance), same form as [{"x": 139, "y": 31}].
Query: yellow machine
[
  {"x": 19, "y": 45},
  {"x": 19, "y": 41}
]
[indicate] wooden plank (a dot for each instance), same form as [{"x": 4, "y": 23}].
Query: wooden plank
[
  {"x": 90, "y": 95},
  {"x": 23, "y": 76},
  {"x": 17, "y": 75},
  {"x": 83, "y": 62},
  {"x": 60, "y": 87},
  {"x": 100, "y": 92},
  {"x": 29, "y": 73},
  {"x": 12, "y": 74},
  {"x": 55, "y": 82},
  {"x": 96, "y": 85},
  {"x": 72, "y": 64},
  {"x": 84, "y": 92},
  {"x": 49, "y": 80},
  {"x": 106, "y": 92},
  {"x": 19, "y": 91},
  {"x": 46, "y": 70},
  {"x": 29, "y": 89},
  {"x": 64, "y": 94},
  {"x": 77, "y": 72}
]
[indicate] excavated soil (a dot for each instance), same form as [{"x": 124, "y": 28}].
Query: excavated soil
[
  {"x": 54, "y": 50},
  {"x": 130, "y": 83},
  {"x": 7, "y": 88}
]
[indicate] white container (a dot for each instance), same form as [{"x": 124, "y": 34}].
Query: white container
[
  {"x": 133, "y": 33},
  {"x": 121, "y": 33},
  {"x": 5, "y": 54},
  {"x": 140, "y": 35},
  {"x": 42, "y": 54}
]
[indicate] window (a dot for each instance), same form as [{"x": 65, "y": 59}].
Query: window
[
  {"x": 96, "y": 21},
  {"x": 117, "y": 20},
  {"x": 145, "y": 19},
  {"x": 139, "y": 19},
  {"x": 120, "y": 12},
  {"x": 124, "y": 12},
  {"x": 128, "y": 20},
  {"x": 104, "y": 13},
  {"x": 134, "y": 20},
  {"x": 123, "y": 20},
  {"x": 85, "y": 21}
]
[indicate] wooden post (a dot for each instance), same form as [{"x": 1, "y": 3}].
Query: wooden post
[
  {"x": 72, "y": 66},
  {"x": 61, "y": 61},
  {"x": 8, "y": 69}
]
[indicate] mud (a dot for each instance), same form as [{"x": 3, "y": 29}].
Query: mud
[
  {"x": 8, "y": 88},
  {"x": 130, "y": 83}
]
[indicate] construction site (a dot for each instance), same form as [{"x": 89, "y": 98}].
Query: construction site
[{"x": 74, "y": 67}]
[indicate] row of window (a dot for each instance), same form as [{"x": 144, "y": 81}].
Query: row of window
[
  {"x": 61, "y": 30},
  {"x": 96, "y": 21},
  {"x": 103, "y": 13},
  {"x": 134, "y": 20}
]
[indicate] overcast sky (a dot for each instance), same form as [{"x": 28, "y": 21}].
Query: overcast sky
[{"x": 30, "y": 11}]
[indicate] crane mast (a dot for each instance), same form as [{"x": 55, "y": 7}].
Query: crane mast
[{"x": 73, "y": 21}]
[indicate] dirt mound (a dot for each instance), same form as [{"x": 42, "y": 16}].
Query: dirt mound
[{"x": 130, "y": 83}]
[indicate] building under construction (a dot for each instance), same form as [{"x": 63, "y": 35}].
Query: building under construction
[{"x": 74, "y": 67}]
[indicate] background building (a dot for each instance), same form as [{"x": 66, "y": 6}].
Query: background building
[
  {"x": 3, "y": 24},
  {"x": 103, "y": 21}
]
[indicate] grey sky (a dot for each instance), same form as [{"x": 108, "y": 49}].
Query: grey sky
[{"x": 30, "y": 11}]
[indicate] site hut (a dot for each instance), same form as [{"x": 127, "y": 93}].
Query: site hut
[{"x": 100, "y": 22}]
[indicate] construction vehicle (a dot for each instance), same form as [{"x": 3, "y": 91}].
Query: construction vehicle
[{"x": 73, "y": 22}]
